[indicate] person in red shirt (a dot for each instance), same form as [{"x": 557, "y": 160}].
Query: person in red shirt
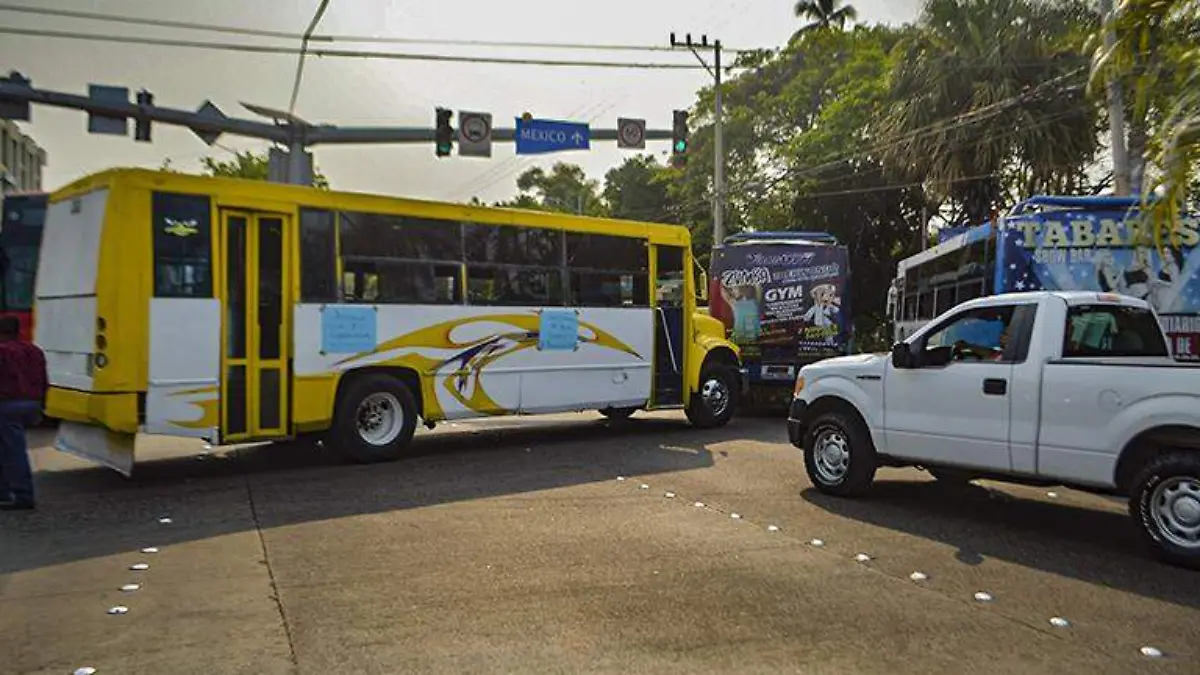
[{"x": 23, "y": 385}]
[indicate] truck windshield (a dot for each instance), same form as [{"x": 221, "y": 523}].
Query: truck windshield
[{"x": 1112, "y": 330}]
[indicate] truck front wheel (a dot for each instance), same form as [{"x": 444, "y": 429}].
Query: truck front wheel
[
  {"x": 839, "y": 455},
  {"x": 1165, "y": 504}
]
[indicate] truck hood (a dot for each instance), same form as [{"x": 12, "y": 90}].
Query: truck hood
[{"x": 856, "y": 363}]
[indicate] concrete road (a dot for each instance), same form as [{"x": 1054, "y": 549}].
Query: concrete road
[{"x": 515, "y": 546}]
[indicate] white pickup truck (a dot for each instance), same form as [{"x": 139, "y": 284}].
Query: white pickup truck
[{"x": 1043, "y": 388}]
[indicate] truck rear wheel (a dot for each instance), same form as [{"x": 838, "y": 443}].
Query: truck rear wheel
[
  {"x": 1165, "y": 504},
  {"x": 375, "y": 419},
  {"x": 839, "y": 456},
  {"x": 717, "y": 401}
]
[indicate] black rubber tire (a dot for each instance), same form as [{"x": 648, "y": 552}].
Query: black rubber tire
[
  {"x": 700, "y": 413},
  {"x": 344, "y": 435},
  {"x": 618, "y": 414},
  {"x": 863, "y": 462},
  {"x": 1169, "y": 465}
]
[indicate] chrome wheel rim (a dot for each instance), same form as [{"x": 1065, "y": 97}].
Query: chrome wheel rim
[
  {"x": 831, "y": 456},
  {"x": 716, "y": 395},
  {"x": 379, "y": 418},
  {"x": 1175, "y": 508}
]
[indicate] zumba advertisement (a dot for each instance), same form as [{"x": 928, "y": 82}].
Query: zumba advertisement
[
  {"x": 1106, "y": 252},
  {"x": 781, "y": 299}
]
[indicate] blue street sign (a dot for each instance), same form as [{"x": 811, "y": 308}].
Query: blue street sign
[{"x": 535, "y": 137}]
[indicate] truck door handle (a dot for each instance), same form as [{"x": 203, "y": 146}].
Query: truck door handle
[{"x": 993, "y": 386}]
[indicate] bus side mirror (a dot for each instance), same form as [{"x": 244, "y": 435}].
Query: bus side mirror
[
  {"x": 901, "y": 356},
  {"x": 702, "y": 286}
]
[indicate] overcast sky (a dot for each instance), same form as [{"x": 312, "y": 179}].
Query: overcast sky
[{"x": 373, "y": 92}]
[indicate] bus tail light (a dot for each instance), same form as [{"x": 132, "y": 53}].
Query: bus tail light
[{"x": 100, "y": 358}]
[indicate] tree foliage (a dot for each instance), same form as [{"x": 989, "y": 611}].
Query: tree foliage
[
  {"x": 873, "y": 133},
  {"x": 246, "y": 164}
]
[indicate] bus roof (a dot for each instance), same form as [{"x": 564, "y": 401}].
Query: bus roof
[
  {"x": 1084, "y": 203},
  {"x": 235, "y": 189},
  {"x": 966, "y": 238},
  {"x": 785, "y": 237}
]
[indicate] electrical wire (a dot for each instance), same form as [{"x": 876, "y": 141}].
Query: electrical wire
[
  {"x": 342, "y": 53},
  {"x": 361, "y": 39},
  {"x": 303, "y": 50}
]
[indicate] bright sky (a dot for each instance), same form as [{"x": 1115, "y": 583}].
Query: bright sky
[{"x": 394, "y": 93}]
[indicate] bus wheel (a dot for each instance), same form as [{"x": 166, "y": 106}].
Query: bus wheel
[
  {"x": 376, "y": 418},
  {"x": 618, "y": 413},
  {"x": 714, "y": 405}
]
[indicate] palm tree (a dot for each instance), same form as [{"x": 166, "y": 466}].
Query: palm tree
[
  {"x": 990, "y": 102},
  {"x": 825, "y": 14},
  {"x": 1164, "y": 81}
]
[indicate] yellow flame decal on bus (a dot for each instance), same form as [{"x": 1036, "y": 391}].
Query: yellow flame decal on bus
[{"x": 473, "y": 356}]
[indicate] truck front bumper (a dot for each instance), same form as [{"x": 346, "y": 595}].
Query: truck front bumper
[{"x": 797, "y": 423}]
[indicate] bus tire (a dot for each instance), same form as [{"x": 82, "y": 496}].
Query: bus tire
[
  {"x": 375, "y": 419},
  {"x": 717, "y": 400},
  {"x": 618, "y": 414}
]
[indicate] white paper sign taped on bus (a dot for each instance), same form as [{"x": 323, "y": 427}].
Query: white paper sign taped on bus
[
  {"x": 781, "y": 300},
  {"x": 1110, "y": 252}
]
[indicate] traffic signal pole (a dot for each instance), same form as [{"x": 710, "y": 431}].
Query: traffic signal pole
[
  {"x": 718, "y": 207},
  {"x": 209, "y": 123}
]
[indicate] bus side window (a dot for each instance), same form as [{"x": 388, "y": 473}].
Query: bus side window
[
  {"x": 607, "y": 271},
  {"x": 398, "y": 259},
  {"x": 514, "y": 265},
  {"x": 182, "y": 245},
  {"x": 318, "y": 256}
]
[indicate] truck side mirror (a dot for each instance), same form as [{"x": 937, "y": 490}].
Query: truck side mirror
[{"x": 902, "y": 356}]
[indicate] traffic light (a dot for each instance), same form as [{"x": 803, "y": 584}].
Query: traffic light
[
  {"x": 444, "y": 136},
  {"x": 679, "y": 138},
  {"x": 15, "y": 108},
  {"x": 141, "y": 124}
]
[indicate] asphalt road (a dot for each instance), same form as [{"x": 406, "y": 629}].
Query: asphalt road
[{"x": 571, "y": 544}]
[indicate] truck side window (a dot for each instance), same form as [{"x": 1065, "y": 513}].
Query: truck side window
[
  {"x": 981, "y": 334},
  {"x": 1111, "y": 330}
]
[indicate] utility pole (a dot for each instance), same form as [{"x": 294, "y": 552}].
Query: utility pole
[
  {"x": 1116, "y": 111},
  {"x": 718, "y": 128}
]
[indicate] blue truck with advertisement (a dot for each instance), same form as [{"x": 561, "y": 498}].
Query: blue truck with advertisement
[
  {"x": 783, "y": 297},
  {"x": 1057, "y": 243}
]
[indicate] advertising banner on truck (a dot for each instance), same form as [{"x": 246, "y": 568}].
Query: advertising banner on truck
[
  {"x": 1109, "y": 252},
  {"x": 781, "y": 300}
]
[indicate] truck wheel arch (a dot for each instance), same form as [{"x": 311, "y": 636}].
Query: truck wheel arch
[
  {"x": 1149, "y": 444},
  {"x": 832, "y": 403}
]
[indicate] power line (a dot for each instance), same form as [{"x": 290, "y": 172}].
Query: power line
[
  {"x": 361, "y": 39},
  {"x": 303, "y": 50},
  {"x": 342, "y": 53}
]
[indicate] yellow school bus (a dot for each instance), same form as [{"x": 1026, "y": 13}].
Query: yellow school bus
[{"x": 238, "y": 311}]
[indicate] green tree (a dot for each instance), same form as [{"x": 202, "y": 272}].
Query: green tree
[
  {"x": 825, "y": 14},
  {"x": 1156, "y": 55},
  {"x": 244, "y": 164},
  {"x": 250, "y": 165},
  {"x": 565, "y": 188},
  {"x": 988, "y": 102},
  {"x": 639, "y": 190}
]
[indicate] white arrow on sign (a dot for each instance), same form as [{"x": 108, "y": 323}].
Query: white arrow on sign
[
  {"x": 631, "y": 133},
  {"x": 578, "y": 138}
]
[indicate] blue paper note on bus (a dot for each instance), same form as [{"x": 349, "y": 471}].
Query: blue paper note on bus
[
  {"x": 559, "y": 330},
  {"x": 347, "y": 330}
]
